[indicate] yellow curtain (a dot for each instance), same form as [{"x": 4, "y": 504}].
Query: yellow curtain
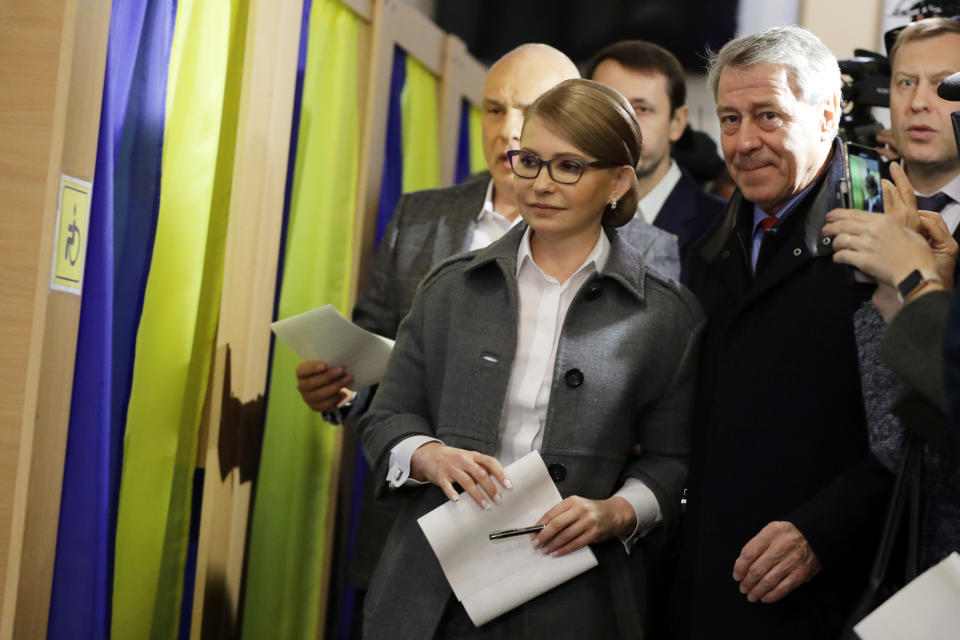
[
  {"x": 420, "y": 129},
  {"x": 178, "y": 322},
  {"x": 478, "y": 162}
]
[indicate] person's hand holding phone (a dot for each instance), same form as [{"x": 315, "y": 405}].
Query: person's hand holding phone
[{"x": 890, "y": 247}]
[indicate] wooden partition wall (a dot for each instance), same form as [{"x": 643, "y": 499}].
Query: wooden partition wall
[
  {"x": 235, "y": 396},
  {"x": 235, "y": 404},
  {"x": 52, "y": 56}
]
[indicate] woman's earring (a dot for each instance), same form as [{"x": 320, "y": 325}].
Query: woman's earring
[{"x": 613, "y": 202}]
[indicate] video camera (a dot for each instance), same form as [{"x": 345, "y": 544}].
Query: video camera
[
  {"x": 949, "y": 89},
  {"x": 866, "y": 84}
]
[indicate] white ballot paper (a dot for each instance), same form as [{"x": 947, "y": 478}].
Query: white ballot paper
[
  {"x": 925, "y": 609},
  {"x": 493, "y": 577},
  {"x": 324, "y": 334}
]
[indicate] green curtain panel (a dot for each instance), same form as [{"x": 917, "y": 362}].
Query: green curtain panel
[
  {"x": 421, "y": 129},
  {"x": 178, "y": 322},
  {"x": 292, "y": 508},
  {"x": 478, "y": 162}
]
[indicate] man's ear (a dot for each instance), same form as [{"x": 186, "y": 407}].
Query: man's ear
[
  {"x": 678, "y": 122},
  {"x": 830, "y": 121}
]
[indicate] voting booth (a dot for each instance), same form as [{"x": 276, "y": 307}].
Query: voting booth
[{"x": 176, "y": 176}]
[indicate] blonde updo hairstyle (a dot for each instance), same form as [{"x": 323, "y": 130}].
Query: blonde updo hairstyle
[{"x": 600, "y": 122}]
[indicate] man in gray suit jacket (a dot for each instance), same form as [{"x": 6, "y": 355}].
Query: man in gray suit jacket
[{"x": 430, "y": 226}]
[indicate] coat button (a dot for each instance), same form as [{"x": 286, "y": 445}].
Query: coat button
[
  {"x": 574, "y": 377},
  {"x": 594, "y": 292},
  {"x": 557, "y": 471}
]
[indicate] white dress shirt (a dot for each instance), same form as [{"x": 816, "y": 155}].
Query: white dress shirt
[
  {"x": 491, "y": 226},
  {"x": 951, "y": 212},
  {"x": 543, "y": 306},
  {"x": 650, "y": 205}
]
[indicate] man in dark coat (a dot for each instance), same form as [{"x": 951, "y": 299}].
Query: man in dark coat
[
  {"x": 785, "y": 502},
  {"x": 651, "y": 78}
]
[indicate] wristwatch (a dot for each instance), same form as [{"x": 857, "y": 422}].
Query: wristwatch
[{"x": 916, "y": 280}]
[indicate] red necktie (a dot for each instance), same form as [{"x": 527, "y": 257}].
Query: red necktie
[{"x": 768, "y": 222}]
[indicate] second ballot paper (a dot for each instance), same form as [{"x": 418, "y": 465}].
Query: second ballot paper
[
  {"x": 493, "y": 577},
  {"x": 324, "y": 334}
]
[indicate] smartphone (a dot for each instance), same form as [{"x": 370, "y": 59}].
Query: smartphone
[{"x": 863, "y": 178}]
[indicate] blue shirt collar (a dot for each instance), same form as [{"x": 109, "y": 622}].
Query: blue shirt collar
[{"x": 759, "y": 214}]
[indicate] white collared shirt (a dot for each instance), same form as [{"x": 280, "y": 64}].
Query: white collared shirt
[
  {"x": 650, "y": 204},
  {"x": 951, "y": 212},
  {"x": 543, "y": 307},
  {"x": 491, "y": 226}
]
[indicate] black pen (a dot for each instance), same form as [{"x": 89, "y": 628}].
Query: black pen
[{"x": 509, "y": 533}]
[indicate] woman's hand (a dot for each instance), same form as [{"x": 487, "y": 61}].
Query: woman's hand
[
  {"x": 889, "y": 247},
  {"x": 441, "y": 465},
  {"x": 942, "y": 244},
  {"x": 576, "y": 522},
  {"x": 877, "y": 245}
]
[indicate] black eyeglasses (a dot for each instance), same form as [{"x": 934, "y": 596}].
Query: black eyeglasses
[{"x": 526, "y": 164}]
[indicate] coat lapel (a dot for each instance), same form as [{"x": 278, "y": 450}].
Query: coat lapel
[
  {"x": 461, "y": 228},
  {"x": 801, "y": 238},
  {"x": 728, "y": 250}
]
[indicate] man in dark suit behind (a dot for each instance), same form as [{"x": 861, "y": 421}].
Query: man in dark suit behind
[
  {"x": 785, "y": 501},
  {"x": 651, "y": 78}
]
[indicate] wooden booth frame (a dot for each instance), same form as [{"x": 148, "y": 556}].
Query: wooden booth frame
[{"x": 234, "y": 408}]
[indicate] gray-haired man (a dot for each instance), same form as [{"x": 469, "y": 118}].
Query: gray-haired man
[{"x": 785, "y": 500}]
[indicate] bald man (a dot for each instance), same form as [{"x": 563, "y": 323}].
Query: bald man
[{"x": 429, "y": 226}]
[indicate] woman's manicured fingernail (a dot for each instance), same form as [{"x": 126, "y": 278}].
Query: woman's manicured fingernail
[
  {"x": 536, "y": 542},
  {"x": 485, "y": 504},
  {"x": 507, "y": 484},
  {"x": 456, "y": 498},
  {"x": 497, "y": 498}
]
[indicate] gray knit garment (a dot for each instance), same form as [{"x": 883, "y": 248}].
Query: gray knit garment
[{"x": 941, "y": 509}]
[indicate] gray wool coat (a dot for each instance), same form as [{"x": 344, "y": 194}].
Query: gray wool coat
[
  {"x": 624, "y": 373},
  {"x": 427, "y": 228}
]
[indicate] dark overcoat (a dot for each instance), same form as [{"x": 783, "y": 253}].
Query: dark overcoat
[
  {"x": 624, "y": 373},
  {"x": 780, "y": 432},
  {"x": 687, "y": 213}
]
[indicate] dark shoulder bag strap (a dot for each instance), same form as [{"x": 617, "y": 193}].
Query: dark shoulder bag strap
[{"x": 905, "y": 489}]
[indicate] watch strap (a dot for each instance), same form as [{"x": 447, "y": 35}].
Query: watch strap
[{"x": 915, "y": 280}]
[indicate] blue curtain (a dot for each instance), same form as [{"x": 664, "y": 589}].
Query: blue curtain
[
  {"x": 463, "y": 144},
  {"x": 122, "y": 221},
  {"x": 392, "y": 184}
]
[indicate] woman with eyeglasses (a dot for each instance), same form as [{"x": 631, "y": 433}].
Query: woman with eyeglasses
[{"x": 558, "y": 339}]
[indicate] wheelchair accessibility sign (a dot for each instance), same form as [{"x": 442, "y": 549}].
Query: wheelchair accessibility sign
[{"x": 70, "y": 243}]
